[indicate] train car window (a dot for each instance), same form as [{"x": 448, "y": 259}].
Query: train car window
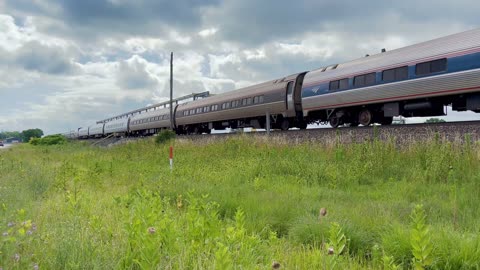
[
  {"x": 359, "y": 81},
  {"x": 343, "y": 84},
  {"x": 401, "y": 73},
  {"x": 255, "y": 100},
  {"x": 289, "y": 88},
  {"x": 431, "y": 67},
  {"x": 192, "y": 112},
  {"x": 249, "y": 101},
  {"x": 334, "y": 85},
  {"x": 388, "y": 75},
  {"x": 422, "y": 68},
  {"x": 370, "y": 79},
  {"x": 439, "y": 65},
  {"x": 260, "y": 99},
  {"x": 244, "y": 102}
]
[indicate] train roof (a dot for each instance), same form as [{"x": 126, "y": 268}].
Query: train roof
[
  {"x": 249, "y": 91},
  {"x": 149, "y": 114},
  {"x": 424, "y": 51}
]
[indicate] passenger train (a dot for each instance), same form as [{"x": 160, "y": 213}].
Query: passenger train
[{"x": 417, "y": 80}]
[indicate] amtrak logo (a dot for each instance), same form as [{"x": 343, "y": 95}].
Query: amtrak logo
[{"x": 315, "y": 89}]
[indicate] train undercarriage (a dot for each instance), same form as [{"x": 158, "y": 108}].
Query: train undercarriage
[
  {"x": 383, "y": 114},
  {"x": 276, "y": 122}
]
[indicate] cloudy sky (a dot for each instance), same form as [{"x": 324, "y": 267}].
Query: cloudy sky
[{"x": 67, "y": 63}]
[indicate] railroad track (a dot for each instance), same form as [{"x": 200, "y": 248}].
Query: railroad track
[{"x": 448, "y": 131}]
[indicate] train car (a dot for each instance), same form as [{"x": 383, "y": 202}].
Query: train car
[
  {"x": 246, "y": 107},
  {"x": 72, "y": 134},
  {"x": 418, "y": 80},
  {"x": 150, "y": 122},
  {"x": 96, "y": 130},
  {"x": 118, "y": 127},
  {"x": 83, "y": 133}
]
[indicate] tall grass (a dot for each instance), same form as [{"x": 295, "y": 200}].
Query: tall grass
[{"x": 242, "y": 203}]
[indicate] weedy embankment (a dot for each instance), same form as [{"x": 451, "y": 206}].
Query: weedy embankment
[{"x": 241, "y": 203}]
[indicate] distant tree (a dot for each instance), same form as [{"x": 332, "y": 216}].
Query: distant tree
[
  {"x": 435, "y": 120},
  {"x": 31, "y": 133},
  {"x": 10, "y": 134}
]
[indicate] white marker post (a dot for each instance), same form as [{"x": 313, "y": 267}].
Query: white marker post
[{"x": 171, "y": 158}]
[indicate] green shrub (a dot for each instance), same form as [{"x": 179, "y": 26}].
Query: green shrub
[
  {"x": 48, "y": 140},
  {"x": 164, "y": 136}
]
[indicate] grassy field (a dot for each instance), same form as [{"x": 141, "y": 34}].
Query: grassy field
[{"x": 242, "y": 203}]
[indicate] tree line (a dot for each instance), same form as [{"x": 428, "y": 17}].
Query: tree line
[{"x": 25, "y": 135}]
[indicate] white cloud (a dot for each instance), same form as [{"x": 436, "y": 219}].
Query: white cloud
[
  {"x": 134, "y": 73},
  {"x": 208, "y": 32}
]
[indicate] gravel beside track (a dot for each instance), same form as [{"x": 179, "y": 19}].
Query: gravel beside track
[{"x": 402, "y": 134}]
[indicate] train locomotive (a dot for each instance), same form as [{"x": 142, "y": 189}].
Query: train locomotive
[{"x": 417, "y": 80}]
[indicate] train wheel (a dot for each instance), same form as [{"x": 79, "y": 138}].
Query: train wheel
[
  {"x": 387, "y": 120},
  {"x": 285, "y": 125},
  {"x": 365, "y": 117},
  {"x": 334, "y": 122}
]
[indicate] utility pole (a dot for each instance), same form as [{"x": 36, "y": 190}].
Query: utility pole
[{"x": 171, "y": 91}]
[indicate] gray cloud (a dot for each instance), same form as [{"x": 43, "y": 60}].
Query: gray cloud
[
  {"x": 253, "y": 22},
  {"x": 89, "y": 19},
  {"x": 133, "y": 74},
  {"x": 37, "y": 57}
]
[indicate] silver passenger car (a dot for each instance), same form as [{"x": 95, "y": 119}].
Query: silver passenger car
[
  {"x": 416, "y": 80},
  {"x": 150, "y": 122},
  {"x": 83, "y": 133},
  {"x": 246, "y": 107},
  {"x": 96, "y": 130},
  {"x": 118, "y": 127}
]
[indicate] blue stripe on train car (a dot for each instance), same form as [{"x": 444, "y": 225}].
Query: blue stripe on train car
[{"x": 454, "y": 64}]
